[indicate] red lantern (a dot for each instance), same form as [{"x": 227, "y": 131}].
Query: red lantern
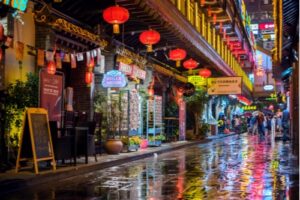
[
  {"x": 202, "y": 3},
  {"x": 205, "y": 73},
  {"x": 1, "y": 54},
  {"x": 190, "y": 64},
  {"x": 91, "y": 64},
  {"x": 51, "y": 67},
  {"x": 149, "y": 38},
  {"x": 209, "y": 11},
  {"x": 150, "y": 91},
  {"x": 1, "y": 32},
  {"x": 116, "y": 15},
  {"x": 215, "y": 19},
  {"x": 88, "y": 78},
  {"x": 177, "y": 55},
  {"x": 221, "y": 27}
]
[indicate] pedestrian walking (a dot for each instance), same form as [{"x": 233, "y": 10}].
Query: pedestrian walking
[
  {"x": 253, "y": 123},
  {"x": 260, "y": 125},
  {"x": 237, "y": 123}
]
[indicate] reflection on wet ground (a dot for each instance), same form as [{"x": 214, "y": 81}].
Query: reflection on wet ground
[{"x": 231, "y": 168}]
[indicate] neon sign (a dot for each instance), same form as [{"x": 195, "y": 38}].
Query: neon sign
[
  {"x": 114, "y": 79},
  {"x": 17, "y": 4}
]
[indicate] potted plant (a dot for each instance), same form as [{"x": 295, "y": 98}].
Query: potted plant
[
  {"x": 195, "y": 107},
  {"x": 113, "y": 144},
  {"x": 131, "y": 143}
]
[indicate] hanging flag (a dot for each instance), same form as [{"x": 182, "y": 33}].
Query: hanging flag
[
  {"x": 58, "y": 61},
  {"x": 102, "y": 65},
  {"x": 73, "y": 61},
  {"x": 94, "y": 53},
  {"x": 41, "y": 58},
  {"x": 67, "y": 58},
  {"x": 79, "y": 56},
  {"x": 19, "y": 51},
  {"x": 88, "y": 58},
  {"x": 98, "y": 56},
  {"x": 49, "y": 56}
]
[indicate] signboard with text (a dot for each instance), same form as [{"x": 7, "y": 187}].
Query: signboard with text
[
  {"x": 114, "y": 79},
  {"x": 132, "y": 70},
  {"x": 197, "y": 81},
  {"x": 224, "y": 85},
  {"x": 51, "y": 94}
]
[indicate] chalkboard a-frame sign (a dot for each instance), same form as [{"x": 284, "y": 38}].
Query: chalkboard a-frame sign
[{"x": 35, "y": 141}]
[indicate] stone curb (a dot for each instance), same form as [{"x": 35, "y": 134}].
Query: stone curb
[{"x": 14, "y": 185}]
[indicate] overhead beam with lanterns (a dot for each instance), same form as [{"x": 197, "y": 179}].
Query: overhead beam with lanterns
[{"x": 201, "y": 40}]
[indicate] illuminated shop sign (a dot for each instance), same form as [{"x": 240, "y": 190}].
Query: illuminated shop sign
[
  {"x": 249, "y": 108},
  {"x": 114, "y": 79},
  {"x": 17, "y": 4},
  {"x": 266, "y": 26}
]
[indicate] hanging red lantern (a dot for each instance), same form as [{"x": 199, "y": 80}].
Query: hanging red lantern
[
  {"x": 51, "y": 67},
  {"x": 1, "y": 54},
  {"x": 91, "y": 64},
  {"x": 205, "y": 73},
  {"x": 224, "y": 34},
  {"x": 190, "y": 64},
  {"x": 202, "y": 3},
  {"x": 215, "y": 19},
  {"x": 221, "y": 27},
  {"x": 209, "y": 11},
  {"x": 177, "y": 55},
  {"x": 149, "y": 38},
  {"x": 150, "y": 91},
  {"x": 1, "y": 32},
  {"x": 116, "y": 15},
  {"x": 88, "y": 78}
]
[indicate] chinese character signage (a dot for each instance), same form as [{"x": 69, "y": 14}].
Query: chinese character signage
[
  {"x": 17, "y": 4},
  {"x": 247, "y": 108},
  {"x": 224, "y": 85},
  {"x": 51, "y": 95},
  {"x": 114, "y": 79},
  {"x": 132, "y": 70},
  {"x": 197, "y": 81}
]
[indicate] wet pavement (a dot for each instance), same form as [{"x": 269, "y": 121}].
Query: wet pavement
[{"x": 236, "y": 167}]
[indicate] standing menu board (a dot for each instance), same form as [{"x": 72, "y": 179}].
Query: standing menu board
[{"x": 36, "y": 133}]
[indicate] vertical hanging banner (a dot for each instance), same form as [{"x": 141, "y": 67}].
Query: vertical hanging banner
[
  {"x": 19, "y": 51},
  {"x": 182, "y": 120},
  {"x": 41, "y": 58},
  {"x": 73, "y": 61},
  {"x": 51, "y": 94}
]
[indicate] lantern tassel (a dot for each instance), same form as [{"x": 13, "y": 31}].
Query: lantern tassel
[
  {"x": 177, "y": 63},
  {"x": 149, "y": 48},
  {"x": 116, "y": 29}
]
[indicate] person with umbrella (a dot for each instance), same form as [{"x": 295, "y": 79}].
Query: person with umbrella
[{"x": 260, "y": 125}]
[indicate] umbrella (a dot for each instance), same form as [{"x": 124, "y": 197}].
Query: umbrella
[
  {"x": 247, "y": 114},
  {"x": 255, "y": 113}
]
